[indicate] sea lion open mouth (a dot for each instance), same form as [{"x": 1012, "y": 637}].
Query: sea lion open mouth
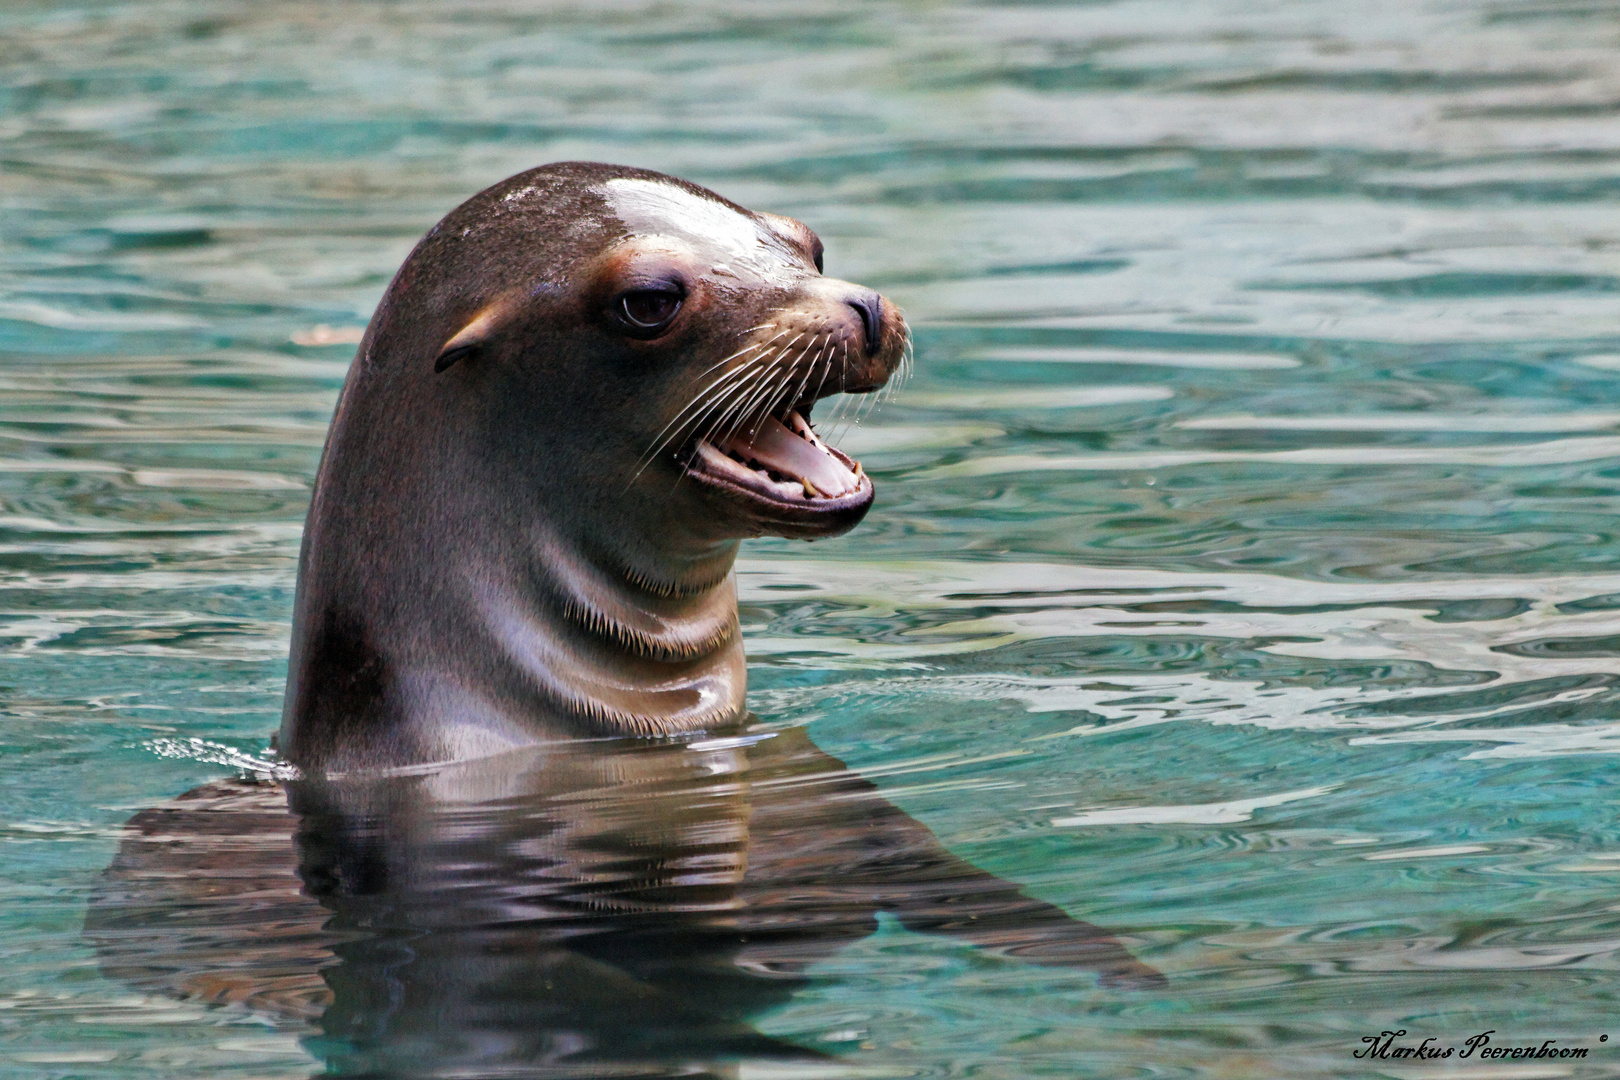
[{"x": 783, "y": 472}]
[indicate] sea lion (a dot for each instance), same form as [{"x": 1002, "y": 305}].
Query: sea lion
[
  {"x": 582, "y": 389},
  {"x": 534, "y": 828}
]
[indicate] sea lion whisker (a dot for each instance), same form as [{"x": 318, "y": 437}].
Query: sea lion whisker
[
  {"x": 757, "y": 368},
  {"x": 695, "y": 425},
  {"x": 804, "y": 381},
  {"x": 890, "y": 387},
  {"x": 886, "y": 394},
  {"x": 809, "y": 370},
  {"x": 824, "y": 358},
  {"x": 875, "y": 403},
  {"x": 749, "y": 406},
  {"x": 697, "y": 410},
  {"x": 698, "y": 399},
  {"x": 904, "y": 371},
  {"x": 843, "y": 399},
  {"x": 831, "y": 420},
  {"x": 704, "y": 406},
  {"x": 736, "y": 406},
  {"x": 738, "y": 401},
  {"x": 774, "y": 399},
  {"x": 716, "y": 367},
  {"x": 744, "y": 349},
  {"x": 763, "y": 391},
  {"x": 751, "y": 414},
  {"x": 740, "y": 404},
  {"x": 702, "y": 401},
  {"x": 864, "y": 407}
]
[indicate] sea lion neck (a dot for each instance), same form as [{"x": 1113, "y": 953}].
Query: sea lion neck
[{"x": 659, "y": 615}]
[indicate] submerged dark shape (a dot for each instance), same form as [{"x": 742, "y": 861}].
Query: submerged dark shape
[
  {"x": 614, "y": 907},
  {"x": 534, "y": 835}
]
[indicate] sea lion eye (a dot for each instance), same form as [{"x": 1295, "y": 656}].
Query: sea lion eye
[
  {"x": 648, "y": 309},
  {"x": 815, "y": 255}
]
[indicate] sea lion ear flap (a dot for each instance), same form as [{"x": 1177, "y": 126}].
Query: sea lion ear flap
[{"x": 466, "y": 340}]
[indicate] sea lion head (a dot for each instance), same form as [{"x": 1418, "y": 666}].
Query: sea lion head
[
  {"x": 584, "y": 386},
  {"x": 654, "y": 351}
]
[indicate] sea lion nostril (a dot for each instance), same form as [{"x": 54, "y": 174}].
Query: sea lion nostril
[{"x": 869, "y": 305}]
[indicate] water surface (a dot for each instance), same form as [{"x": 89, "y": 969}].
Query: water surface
[{"x": 1242, "y": 578}]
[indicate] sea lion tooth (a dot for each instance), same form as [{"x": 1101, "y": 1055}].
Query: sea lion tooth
[
  {"x": 801, "y": 427},
  {"x": 810, "y": 491}
]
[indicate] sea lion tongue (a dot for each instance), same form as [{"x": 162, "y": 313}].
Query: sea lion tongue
[{"x": 787, "y": 457}]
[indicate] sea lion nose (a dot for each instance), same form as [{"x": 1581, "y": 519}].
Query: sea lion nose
[{"x": 869, "y": 306}]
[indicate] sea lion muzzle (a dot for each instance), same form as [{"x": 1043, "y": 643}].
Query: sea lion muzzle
[{"x": 761, "y": 458}]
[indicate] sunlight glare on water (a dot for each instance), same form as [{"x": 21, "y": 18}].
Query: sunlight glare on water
[{"x": 1243, "y": 576}]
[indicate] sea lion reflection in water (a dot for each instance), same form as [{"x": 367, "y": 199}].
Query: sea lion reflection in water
[{"x": 536, "y": 833}]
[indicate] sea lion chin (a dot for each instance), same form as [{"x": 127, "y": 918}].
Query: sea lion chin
[{"x": 584, "y": 386}]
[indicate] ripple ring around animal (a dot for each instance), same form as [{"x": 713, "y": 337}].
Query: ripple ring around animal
[{"x": 516, "y": 689}]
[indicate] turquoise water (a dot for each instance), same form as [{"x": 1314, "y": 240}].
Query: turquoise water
[{"x": 1242, "y": 578}]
